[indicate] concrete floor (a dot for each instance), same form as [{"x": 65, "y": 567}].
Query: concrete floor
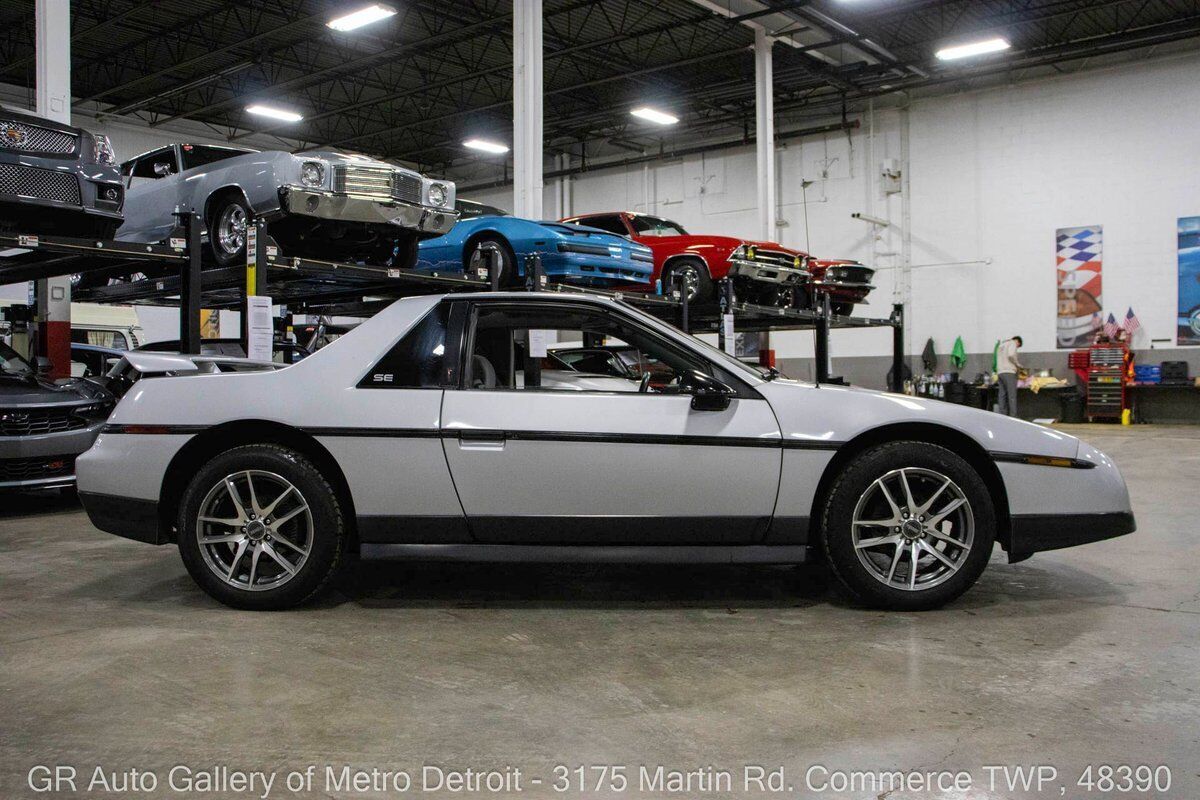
[{"x": 110, "y": 656}]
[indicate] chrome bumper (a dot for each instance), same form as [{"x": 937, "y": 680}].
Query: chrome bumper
[
  {"x": 356, "y": 208},
  {"x": 766, "y": 272},
  {"x": 843, "y": 285}
]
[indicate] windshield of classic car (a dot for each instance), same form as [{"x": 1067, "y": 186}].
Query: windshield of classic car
[
  {"x": 655, "y": 226},
  {"x": 13, "y": 364}
]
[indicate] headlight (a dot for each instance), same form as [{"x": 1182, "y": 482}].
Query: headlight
[
  {"x": 751, "y": 252},
  {"x": 797, "y": 262},
  {"x": 438, "y": 194},
  {"x": 104, "y": 150},
  {"x": 312, "y": 173}
]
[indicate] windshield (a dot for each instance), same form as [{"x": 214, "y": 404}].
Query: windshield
[
  {"x": 470, "y": 210},
  {"x": 13, "y": 364},
  {"x": 655, "y": 226},
  {"x": 716, "y": 354}
]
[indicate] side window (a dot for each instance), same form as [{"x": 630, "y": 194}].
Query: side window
[
  {"x": 556, "y": 348},
  {"x": 419, "y": 360},
  {"x": 151, "y": 167}
]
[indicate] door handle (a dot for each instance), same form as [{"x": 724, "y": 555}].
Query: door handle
[{"x": 478, "y": 438}]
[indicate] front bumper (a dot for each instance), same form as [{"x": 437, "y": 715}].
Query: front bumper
[
  {"x": 1034, "y": 533},
  {"x": 766, "y": 272},
  {"x": 596, "y": 270},
  {"x": 371, "y": 211},
  {"x": 46, "y": 461}
]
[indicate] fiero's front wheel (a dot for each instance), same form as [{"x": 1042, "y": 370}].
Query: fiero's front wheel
[
  {"x": 260, "y": 528},
  {"x": 908, "y": 526}
]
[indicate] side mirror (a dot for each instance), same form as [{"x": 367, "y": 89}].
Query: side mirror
[
  {"x": 708, "y": 393},
  {"x": 162, "y": 169},
  {"x": 44, "y": 365}
]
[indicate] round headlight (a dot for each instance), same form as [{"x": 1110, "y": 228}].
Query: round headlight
[
  {"x": 312, "y": 173},
  {"x": 438, "y": 194}
]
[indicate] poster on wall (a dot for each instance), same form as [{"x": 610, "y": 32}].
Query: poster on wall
[
  {"x": 1080, "y": 253},
  {"x": 1188, "y": 325}
]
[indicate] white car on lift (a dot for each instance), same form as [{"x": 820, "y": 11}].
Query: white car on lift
[{"x": 445, "y": 428}]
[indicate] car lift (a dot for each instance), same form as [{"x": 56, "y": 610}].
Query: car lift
[{"x": 303, "y": 285}]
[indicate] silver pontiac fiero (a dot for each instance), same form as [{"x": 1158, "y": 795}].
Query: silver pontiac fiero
[{"x": 449, "y": 428}]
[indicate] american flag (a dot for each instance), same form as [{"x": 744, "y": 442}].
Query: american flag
[
  {"x": 1111, "y": 327},
  {"x": 1131, "y": 322}
]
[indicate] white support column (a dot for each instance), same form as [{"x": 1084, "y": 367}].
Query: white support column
[
  {"x": 764, "y": 132},
  {"x": 53, "y": 51},
  {"x": 527, "y": 109}
]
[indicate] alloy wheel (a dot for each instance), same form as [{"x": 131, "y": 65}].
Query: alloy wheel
[
  {"x": 255, "y": 530},
  {"x": 913, "y": 528},
  {"x": 691, "y": 280},
  {"x": 231, "y": 229}
]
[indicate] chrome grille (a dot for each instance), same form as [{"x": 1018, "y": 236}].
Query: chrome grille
[
  {"x": 775, "y": 258},
  {"x": 35, "y": 139},
  {"x": 406, "y": 187},
  {"x": 34, "y": 422},
  {"x": 30, "y": 469},
  {"x": 363, "y": 180},
  {"x": 42, "y": 184}
]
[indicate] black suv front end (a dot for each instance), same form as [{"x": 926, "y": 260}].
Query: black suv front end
[{"x": 57, "y": 179}]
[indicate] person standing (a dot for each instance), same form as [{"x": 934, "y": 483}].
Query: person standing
[{"x": 1007, "y": 367}]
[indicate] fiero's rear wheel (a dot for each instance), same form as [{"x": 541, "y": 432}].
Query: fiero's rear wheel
[
  {"x": 260, "y": 528},
  {"x": 908, "y": 526}
]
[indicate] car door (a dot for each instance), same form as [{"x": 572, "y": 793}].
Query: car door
[
  {"x": 585, "y": 459},
  {"x": 153, "y": 190}
]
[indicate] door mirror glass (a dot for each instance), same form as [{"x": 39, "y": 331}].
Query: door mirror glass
[{"x": 708, "y": 393}]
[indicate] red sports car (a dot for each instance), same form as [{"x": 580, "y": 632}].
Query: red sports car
[
  {"x": 764, "y": 272},
  {"x": 845, "y": 281}
]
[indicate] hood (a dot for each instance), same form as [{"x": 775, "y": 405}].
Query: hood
[
  {"x": 41, "y": 122},
  {"x": 16, "y": 391},
  {"x": 705, "y": 240},
  {"x": 829, "y": 413},
  {"x": 352, "y": 159},
  {"x": 583, "y": 230}
]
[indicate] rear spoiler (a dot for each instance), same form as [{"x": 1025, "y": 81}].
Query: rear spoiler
[{"x": 179, "y": 363}]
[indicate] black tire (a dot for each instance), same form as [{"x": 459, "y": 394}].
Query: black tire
[
  {"x": 778, "y": 297},
  {"x": 841, "y": 309},
  {"x": 227, "y": 254},
  {"x": 328, "y": 528},
  {"x": 399, "y": 253},
  {"x": 509, "y": 277},
  {"x": 802, "y": 298},
  {"x": 854, "y": 483},
  {"x": 703, "y": 282}
]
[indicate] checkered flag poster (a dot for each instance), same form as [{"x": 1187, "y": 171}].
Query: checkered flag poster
[{"x": 1080, "y": 315}]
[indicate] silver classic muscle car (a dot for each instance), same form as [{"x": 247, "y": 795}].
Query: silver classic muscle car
[
  {"x": 320, "y": 204},
  {"x": 57, "y": 179}
]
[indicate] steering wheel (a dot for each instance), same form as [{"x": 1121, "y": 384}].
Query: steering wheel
[{"x": 644, "y": 383}]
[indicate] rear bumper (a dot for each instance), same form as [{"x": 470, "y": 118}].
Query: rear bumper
[
  {"x": 130, "y": 517},
  {"x": 353, "y": 208},
  {"x": 1034, "y": 533}
]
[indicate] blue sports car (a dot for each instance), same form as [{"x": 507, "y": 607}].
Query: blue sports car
[{"x": 570, "y": 253}]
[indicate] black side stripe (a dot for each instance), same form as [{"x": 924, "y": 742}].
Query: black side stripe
[{"x": 527, "y": 436}]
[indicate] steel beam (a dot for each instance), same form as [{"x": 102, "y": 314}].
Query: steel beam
[
  {"x": 527, "y": 109},
  {"x": 764, "y": 113},
  {"x": 53, "y": 53}
]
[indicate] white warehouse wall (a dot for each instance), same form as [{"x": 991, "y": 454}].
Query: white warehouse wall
[{"x": 993, "y": 174}]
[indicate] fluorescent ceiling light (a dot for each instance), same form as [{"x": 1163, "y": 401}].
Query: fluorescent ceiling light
[
  {"x": 485, "y": 146},
  {"x": 274, "y": 113},
  {"x": 364, "y": 16},
  {"x": 973, "y": 49},
  {"x": 654, "y": 115}
]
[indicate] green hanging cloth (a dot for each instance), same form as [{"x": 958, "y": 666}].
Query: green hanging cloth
[
  {"x": 996, "y": 356},
  {"x": 958, "y": 354}
]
